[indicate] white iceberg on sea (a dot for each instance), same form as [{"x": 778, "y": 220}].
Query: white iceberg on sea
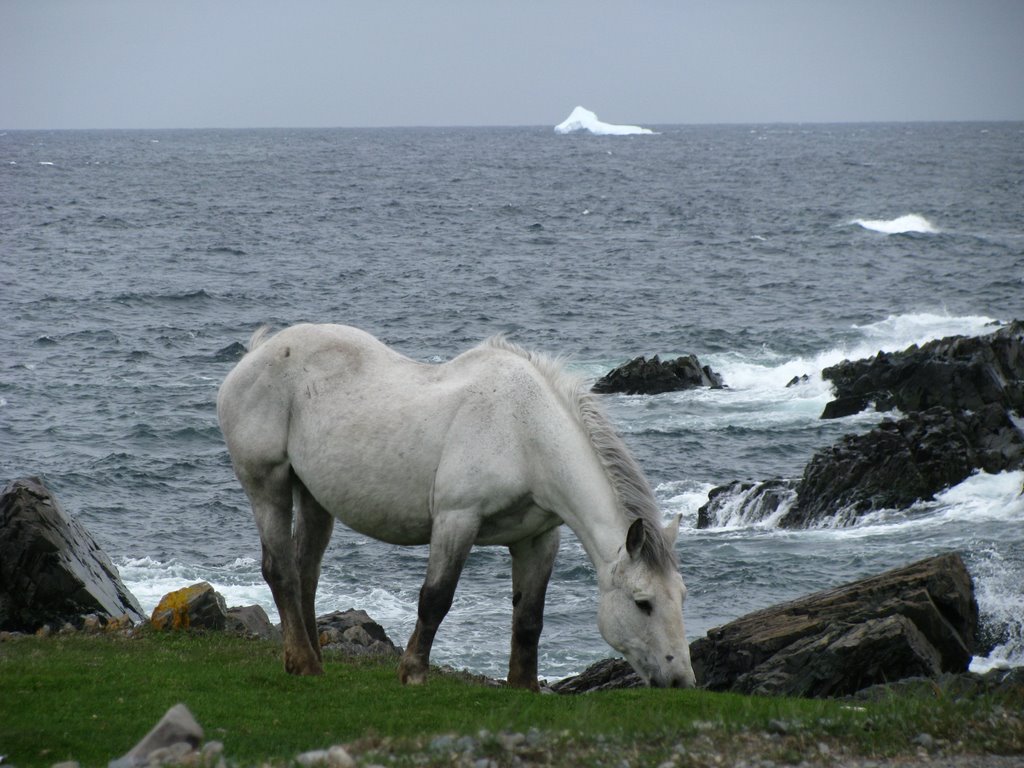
[
  {"x": 911, "y": 223},
  {"x": 583, "y": 119}
]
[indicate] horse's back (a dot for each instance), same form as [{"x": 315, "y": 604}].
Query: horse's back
[{"x": 378, "y": 438}]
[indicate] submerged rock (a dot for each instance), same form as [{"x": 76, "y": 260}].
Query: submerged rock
[
  {"x": 641, "y": 376},
  {"x": 52, "y": 571},
  {"x": 745, "y": 503}
]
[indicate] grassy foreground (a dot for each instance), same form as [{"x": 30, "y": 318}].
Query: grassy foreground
[{"x": 91, "y": 698}]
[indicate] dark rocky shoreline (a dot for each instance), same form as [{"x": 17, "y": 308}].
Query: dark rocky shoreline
[{"x": 960, "y": 409}]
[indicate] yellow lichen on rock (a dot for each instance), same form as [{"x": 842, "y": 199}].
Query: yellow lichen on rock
[{"x": 173, "y": 611}]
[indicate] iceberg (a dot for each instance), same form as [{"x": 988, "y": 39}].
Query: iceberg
[
  {"x": 583, "y": 119},
  {"x": 911, "y": 223}
]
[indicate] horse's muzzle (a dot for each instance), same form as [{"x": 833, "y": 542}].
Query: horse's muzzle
[{"x": 677, "y": 680}]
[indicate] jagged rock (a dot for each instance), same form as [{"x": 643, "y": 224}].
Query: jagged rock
[
  {"x": 604, "y": 675},
  {"x": 355, "y": 633},
  {"x": 901, "y": 462},
  {"x": 641, "y": 376},
  {"x": 198, "y": 606},
  {"x": 959, "y": 373},
  {"x": 958, "y": 396},
  {"x": 251, "y": 620},
  {"x": 746, "y": 503},
  {"x": 917, "y": 620},
  {"x": 174, "y": 737},
  {"x": 52, "y": 571}
]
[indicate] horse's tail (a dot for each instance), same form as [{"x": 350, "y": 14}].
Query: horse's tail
[{"x": 258, "y": 337}]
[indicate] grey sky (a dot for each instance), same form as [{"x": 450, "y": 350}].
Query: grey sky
[{"x": 252, "y": 63}]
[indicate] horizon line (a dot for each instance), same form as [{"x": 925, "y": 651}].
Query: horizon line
[{"x": 470, "y": 126}]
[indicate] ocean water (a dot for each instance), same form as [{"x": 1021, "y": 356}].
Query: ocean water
[{"x": 133, "y": 264}]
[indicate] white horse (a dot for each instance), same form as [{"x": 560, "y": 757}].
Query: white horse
[{"x": 498, "y": 446}]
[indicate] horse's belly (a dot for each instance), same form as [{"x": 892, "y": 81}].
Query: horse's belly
[
  {"x": 389, "y": 511},
  {"x": 393, "y": 528}
]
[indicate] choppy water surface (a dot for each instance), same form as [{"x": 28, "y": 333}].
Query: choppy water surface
[{"x": 134, "y": 263}]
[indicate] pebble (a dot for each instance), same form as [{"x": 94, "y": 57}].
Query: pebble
[
  {"x": 924, "y": 740},
  {"x": 510, "y": 741},
  {"x": 335, "y": 757}
]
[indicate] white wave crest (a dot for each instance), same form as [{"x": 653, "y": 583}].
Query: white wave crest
[
  {"x": 1001, "y": 605},
  {"x": 897, "y": 332},
  {"x": 906, "y": 224},
  {"x": 240, "y": 581}
]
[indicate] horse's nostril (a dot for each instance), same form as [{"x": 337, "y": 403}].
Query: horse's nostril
[{"x": 670, "y": 658}]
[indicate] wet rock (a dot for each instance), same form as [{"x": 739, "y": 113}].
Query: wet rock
[
  {"x": 641, "y": 376},
  {"x": 746, "y": 503},
  {"x": 198, "y": 606},
  {"x": 52, "y": 571},
  {"x": 355, "y": 633},
  {"x": 912, "y": 621},
  {"x": 961, "y": 398},
  {"x": 959, "y": 373},
  {"x": 902, "y": 462}
]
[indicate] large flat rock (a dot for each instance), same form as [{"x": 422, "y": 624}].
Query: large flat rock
[{"x": 918, "y": 620}]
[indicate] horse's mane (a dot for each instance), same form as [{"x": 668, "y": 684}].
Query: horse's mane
[{"x": 631, "y": 487}]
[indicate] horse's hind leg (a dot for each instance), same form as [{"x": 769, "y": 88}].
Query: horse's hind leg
[
  {"x": 451, "y": 539},
  {"x": 270, "y": 491},
  {"x": 313, "y": 526},
  {"x": 532, "y": 561}
]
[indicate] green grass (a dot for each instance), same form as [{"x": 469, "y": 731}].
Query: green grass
[{"x": 91, "y": 698}]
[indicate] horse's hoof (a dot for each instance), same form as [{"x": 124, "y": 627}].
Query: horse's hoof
[
  {"x": 415, "y": 680},
  {"x": 529, "y": 685},
  {"x": 410, "y": 675},
  {"x": 306, "y": 668}
]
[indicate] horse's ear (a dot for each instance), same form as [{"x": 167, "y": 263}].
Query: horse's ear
[
  {"x": 672, "y": 530},
  {"x": 635, "y": 538}
]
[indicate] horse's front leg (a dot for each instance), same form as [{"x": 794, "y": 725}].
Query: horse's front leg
[
  {"x": 532, "y": 561},
  {"x": 451, "y": 538}
]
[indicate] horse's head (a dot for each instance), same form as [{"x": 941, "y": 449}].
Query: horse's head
[{"x": 641, "y": 612}]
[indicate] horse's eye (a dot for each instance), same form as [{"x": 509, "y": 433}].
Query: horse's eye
[{"x": 645, "y": 606}]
